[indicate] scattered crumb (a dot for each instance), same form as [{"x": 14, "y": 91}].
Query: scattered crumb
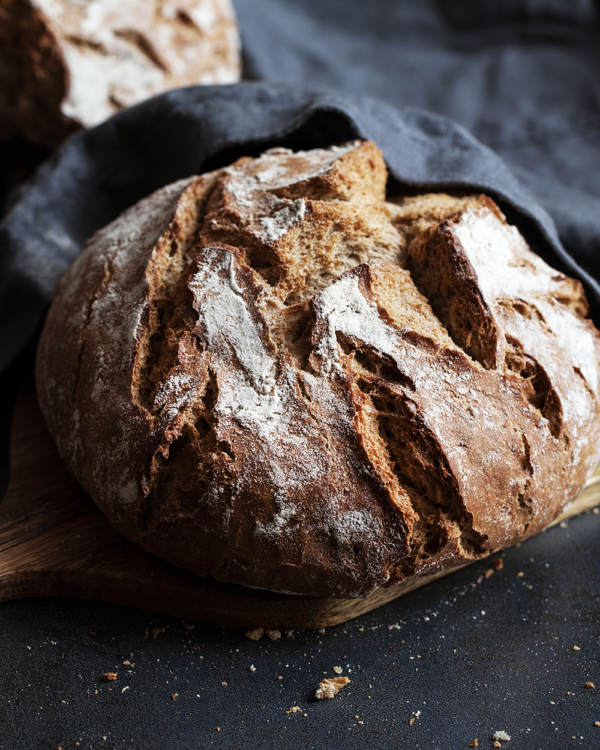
[
  {"x": 590, "y": 685},
  {"x": 412, "y": 721},
  {"x": 252, "y": 668},
  {"x": 280, "y": 677},
  {"x": 127, "y": 662},
  {"x": 174, "y": 695},
  {"x": 274, "y": 635},
  {"x": 576, "y": 648},
  {"x": 497, "y": 564},
  {"x": 338, "y": 670},
  {"x": 564, "y": 524},
  {"x": 596, "y": 511},
  {"x": 289, "y": 633},
  {"x": 322, "y": 630},
  {"x": 597, "y": 723},
  {"x": 125, "y": 688},
  {"x": 395, "y": 626},
  {"x": 501, "y": 735},
  {"x": 489, "y": 572},
  {"x": 190, "y": 627},
  {"x": 218, "y": 729},
  {"x": 110, "y": 676},
  {"x": 156, "y": 631},
  {"x": 223, "y": 684},
  {"x": 474, "y": 743},
  {"x": 497, "y": 744},
  {"x": 294, "y": 710},
  {"x": 254, "y": 635},
  {"x": 520, "y": 574},
  {"x": 330, "y": 687},
  {"x": 362, "y": 630},
  {"x": 361, "y": 722}
]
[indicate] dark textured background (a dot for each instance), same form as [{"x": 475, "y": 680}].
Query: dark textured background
[
  {"x": 473, "y": 655},
  {"x": 523, "y": 76}
]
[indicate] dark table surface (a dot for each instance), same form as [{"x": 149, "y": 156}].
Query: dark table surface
[{"x": 460, "y": 659}]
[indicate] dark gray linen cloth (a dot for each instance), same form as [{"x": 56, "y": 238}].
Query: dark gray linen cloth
[{"x": 522, "y": 76}]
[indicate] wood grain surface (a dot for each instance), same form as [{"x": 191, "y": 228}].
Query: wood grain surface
[{"x": 55, "y": 542}]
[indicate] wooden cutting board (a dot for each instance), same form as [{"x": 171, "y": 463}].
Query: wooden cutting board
[{"x": 55, "y": 542}]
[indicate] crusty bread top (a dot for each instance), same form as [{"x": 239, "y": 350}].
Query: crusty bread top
[
  {"x": 272, "y": 375},
  {"x": 67, "y": 64}
]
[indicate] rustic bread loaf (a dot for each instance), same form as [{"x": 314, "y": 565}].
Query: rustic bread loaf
[
  {"x": 67, "y": 64},
  {"x": 271, "y": 375}
]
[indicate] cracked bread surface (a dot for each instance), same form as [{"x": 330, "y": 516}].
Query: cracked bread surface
[
  {"x": 66, "y": 64},
  {"x": 273, "y": 375}
]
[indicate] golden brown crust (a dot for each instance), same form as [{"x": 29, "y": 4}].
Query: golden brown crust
[
  {"x": 66, "y": 65},
  {"x": 270, "y": 375}
]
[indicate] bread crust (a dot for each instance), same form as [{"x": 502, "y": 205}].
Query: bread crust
[
  {"x": 271, "y": 375},
  {"x": 65, "y": 65}
]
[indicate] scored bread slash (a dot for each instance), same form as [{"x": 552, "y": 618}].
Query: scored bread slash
[
  {"x": 330, "y": 687},
  {"x": 278, "y": 376}
]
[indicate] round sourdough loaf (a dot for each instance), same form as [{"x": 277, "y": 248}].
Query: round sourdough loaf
[
  {"x": 67, "y": 64},
  {"x": 271, "y": 375}
]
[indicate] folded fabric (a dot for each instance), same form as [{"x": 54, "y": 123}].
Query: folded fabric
[{"x": 520, "y": 75}]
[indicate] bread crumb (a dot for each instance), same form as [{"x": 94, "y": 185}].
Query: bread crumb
[
  {"x": 596, "y": 511},
  {"x": 412, "y": 721},
  {"x": 497, "y": 744},
  {"x": 330, "y": 687},
  {"x": 274, "y": 635},
  {"x": 125, "y": 688},
  {"x": 110, "y": 676},
  {"x": 156, "y": 631},
  {"x": 174, "y": 695},
  {"x": 597, "y": 723},
  {"x": 338, "y": 670},
  {"x": 294, "y": 710},
  {"x": 218, "y": 729},
  {"x": 520, "y": 574},
  {"x": 474, "y": 743},
  {"x": 322, "y": 630},
  {"x": 223, "y": 684},
  {"x": 289, "y": 633},
  {"x": 361, "y": 722},
  {"x": 127, "y": 662},
  {"x": 489, "y": 572},
  {"x": 576, "y": 648},
  {"x": 255, "y": 635},
  {"x": 501, "y": 735},
  {"x": 252, "y": 668},
  {"x": 497, "y": 564},
  {"x": 590, "y": 685}
]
